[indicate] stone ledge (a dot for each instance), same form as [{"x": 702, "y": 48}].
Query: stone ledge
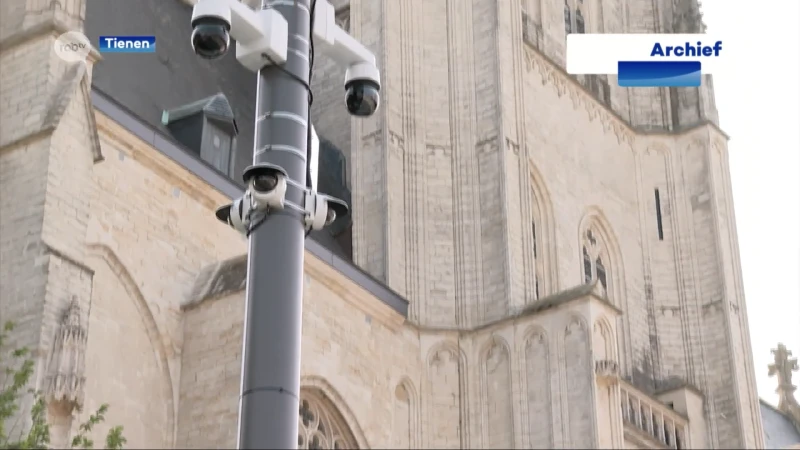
[
  {"x": 590, "y": 291},
  {"x": 230, "y": 276}
]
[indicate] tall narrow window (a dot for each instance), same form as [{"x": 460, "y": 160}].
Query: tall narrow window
[
  {"x": 533, "y": 235},
  {"x": 595, "y": 259},
  {"x": 575, "y": 17},
  {"x": 659, "y": 222},
  {"x": 567, "y": 17},
  {"x": 580, "y": 26}
]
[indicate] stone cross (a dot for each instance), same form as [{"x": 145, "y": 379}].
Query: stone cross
[{"x": 783, "y": 367}]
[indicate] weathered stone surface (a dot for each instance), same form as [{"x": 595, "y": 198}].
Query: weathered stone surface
[{"x": 489, "y": 183}]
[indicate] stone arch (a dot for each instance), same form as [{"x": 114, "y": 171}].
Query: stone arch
[
  {"x": 438, "y": 397},
  {"x": 658, "y": 148},
  {"x": 604, "y": 333},
  {"x": 537, "y": 404},
  {"x": 544, "y": 249},
  {"x": 532, "y": 332},
  {"x": 595, "y": 227},
  {"x": 404, "y": 386},
  {"x": 449, "y": 346},
  {"x": 104, "y": 253},
  {"x": 574, "y": 320},
  {"x": 496, "y": 393},
  {"x": 340, "y": 428},
  {"x": 617, "y": 294},
  {"x": 494, "y": 341}
]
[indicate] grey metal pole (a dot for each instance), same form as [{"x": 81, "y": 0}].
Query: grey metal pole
[{"x": 269, "y": 404}]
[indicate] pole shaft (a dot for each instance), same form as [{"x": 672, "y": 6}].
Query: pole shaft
[{"x": 268, "y": 406}]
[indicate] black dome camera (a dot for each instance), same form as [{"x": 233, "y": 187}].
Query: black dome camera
[
  {"x": 362, "y": 97},
  {"x": 210, "y": 37}
]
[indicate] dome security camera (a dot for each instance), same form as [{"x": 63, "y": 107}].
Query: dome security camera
[{"x": 362, "y": 86}]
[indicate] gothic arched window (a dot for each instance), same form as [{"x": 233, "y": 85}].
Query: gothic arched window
[
  {"x": 321, "y": 426},
  {"x": 538, "y": 244},
  {"x": 595, "y": 258},
  {"x": 538, "y": 247}
]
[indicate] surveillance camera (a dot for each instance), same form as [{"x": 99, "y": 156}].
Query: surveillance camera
[
  {"x": 257, "y": 33},
  {"x": 362, "y": 84},
  {"x": 322, "y": 210},
  {"x": 236, "y": 214},
  {"x": 267, "y": 185},
  {"x": 211, "y": 23},
  {"x": 336, "y": 208}
]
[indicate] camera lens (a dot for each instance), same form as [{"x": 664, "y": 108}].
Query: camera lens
[
  {"x": 210, "y": 39},
  {"x": 362, "y": 98},
  {"x": 331, "y": 216},
  {"x": 265, "y": 183}
]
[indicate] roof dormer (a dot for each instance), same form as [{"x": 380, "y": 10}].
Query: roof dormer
[{"x": 207, "y": 128}]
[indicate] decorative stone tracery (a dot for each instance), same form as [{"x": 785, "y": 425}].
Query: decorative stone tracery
[
  {"x": 65, "y": 375},
  {"x": 321, "y": 426},
  {"x": 564, "y": 85}
]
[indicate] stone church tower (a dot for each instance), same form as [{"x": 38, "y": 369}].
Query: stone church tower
[
  {"x": 553, "y": 259},
  {"x": 493, "y": 180}
]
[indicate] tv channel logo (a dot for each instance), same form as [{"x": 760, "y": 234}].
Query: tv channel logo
[
  {"x": 647, "y": 60},
  {"x": 127, "y": 44},
  {"x": 72, "y": 46}
]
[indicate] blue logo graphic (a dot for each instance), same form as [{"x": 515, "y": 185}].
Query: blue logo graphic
[
  {"x": 655, "y": 73},
  {"x": 659, "y": 73},
  {"x": 127, "y": 44}
]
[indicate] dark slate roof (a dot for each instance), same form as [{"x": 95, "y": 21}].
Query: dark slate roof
[
  {"x": 779, "y": 431},
  {"x": 149, "y": 84}
]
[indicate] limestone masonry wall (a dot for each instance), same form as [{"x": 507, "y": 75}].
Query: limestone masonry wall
[{"x": 356, "y": 361}]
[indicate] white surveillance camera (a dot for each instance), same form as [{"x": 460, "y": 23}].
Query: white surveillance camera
[
  {"x": 336, "y": 208},
  {"x": 267, "y": 185},
  {"x": 322, "y": 210},
  {"x": 362, "y": 81},
  {"x": 257, "y": 33},
  {"x": 236, "y": 214},
  {"x": 362, "y": 85}
]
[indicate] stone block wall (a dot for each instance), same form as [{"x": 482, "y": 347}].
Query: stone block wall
[{"x": 358, "y": 359}]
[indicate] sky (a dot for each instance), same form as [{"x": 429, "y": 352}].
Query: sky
[{"x": 758, "y": 99}]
